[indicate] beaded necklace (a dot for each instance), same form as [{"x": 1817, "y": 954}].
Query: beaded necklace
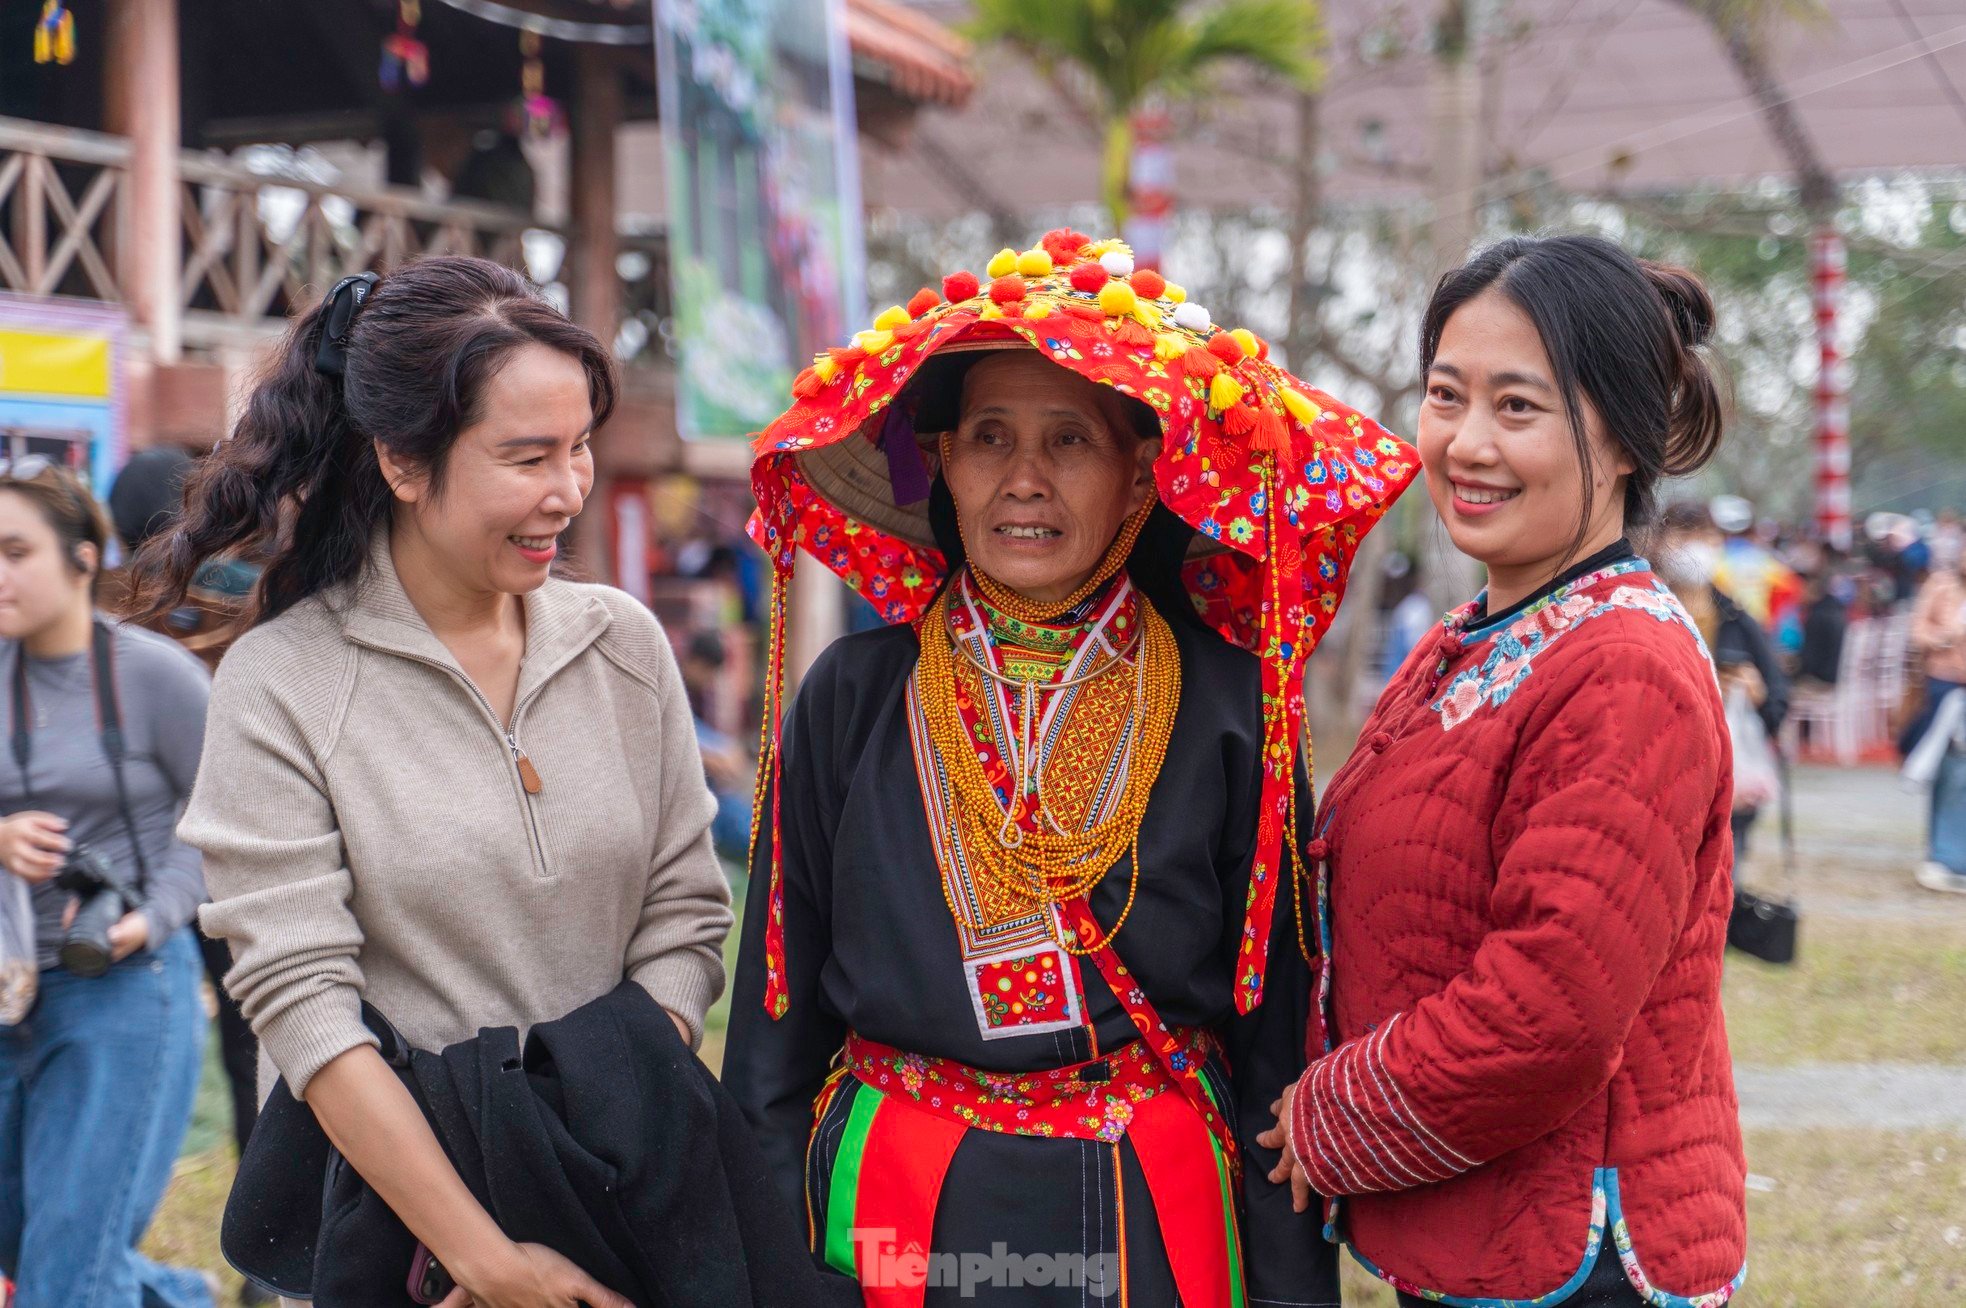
[{"x": 1018, "y": 847}]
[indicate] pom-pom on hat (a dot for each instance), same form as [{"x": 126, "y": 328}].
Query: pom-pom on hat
[{"x": 1279, "y": 481}]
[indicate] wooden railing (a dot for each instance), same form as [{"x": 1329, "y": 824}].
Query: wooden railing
[
  {"x": 62, "y": 195},
  {"x": 255, "y": 245}
]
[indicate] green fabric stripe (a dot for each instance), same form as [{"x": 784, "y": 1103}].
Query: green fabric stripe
[
  {"x": 1234, "y": 1243},
  {"x": 843, "y": 1189}
]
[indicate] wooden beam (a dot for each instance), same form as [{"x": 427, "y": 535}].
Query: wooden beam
[{"x": 141, "y": 102}]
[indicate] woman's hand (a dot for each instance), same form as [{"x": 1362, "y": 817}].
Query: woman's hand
[
  {"x": 531, "y": 1276},
  {"x": 32, "y": 845},
  {"x": 1287, "y": 1168}
]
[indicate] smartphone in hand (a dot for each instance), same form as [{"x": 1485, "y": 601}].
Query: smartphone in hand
[{"x": 429, "y": 1282}]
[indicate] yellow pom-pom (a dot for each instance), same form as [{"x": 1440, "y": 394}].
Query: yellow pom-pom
[
  {"x": 891, "y": 317},
  {"x": 1116, "y": 299},
  {"x": 1223, "y": 392},
  {"x": 1176, "y": 294},
  {"x": 989, "y": 313},
  {"x": 1301, "y": 406},
  {"x": 1169, "y": 347},
  {"x": 1034, "y": 263},
  {"x": 873, "y": 342},
  {"x": 1037, "y": 309},
  {"x": 1002, "y": 263},
  {"x": 1246, "y": 339}
]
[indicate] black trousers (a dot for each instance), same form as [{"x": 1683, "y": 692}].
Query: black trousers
[
  {"x": 1605, "y": 1287},
  {"x": 238, "y": 1049}
]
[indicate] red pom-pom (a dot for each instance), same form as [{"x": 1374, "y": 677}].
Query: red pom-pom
[
  {"x": 1226, "y": 348},
  {"x": 924, "y": 300},
  {"x": 1200, "y": 363},
  {"x": 1088, "y": 277},
  {"x": 1063, "y": 245},
  {"x": 1007, "y": 289},
  {"x": 1149, "y": 284},
  {"x": 1262, "y": 348},
  {"x": 960, "y": 286}
]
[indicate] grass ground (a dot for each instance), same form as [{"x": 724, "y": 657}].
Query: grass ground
[{"x": 1836, "y": 1218}]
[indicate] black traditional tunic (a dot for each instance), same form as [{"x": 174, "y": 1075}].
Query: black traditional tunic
[{"x": 871, "y": 947}]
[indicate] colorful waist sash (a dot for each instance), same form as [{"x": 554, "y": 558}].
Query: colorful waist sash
[{"x": 910, "y": 1114}]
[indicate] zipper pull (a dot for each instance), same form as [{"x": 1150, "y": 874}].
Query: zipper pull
[{"x": 528, "y": 774}]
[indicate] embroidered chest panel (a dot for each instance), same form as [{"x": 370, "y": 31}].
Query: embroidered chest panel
[{"x": 1512, "y": 648}]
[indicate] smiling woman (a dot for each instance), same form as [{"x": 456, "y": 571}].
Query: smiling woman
[
  {"x": 1527, "y": 862},
  {"x": 437, "y": 778}
]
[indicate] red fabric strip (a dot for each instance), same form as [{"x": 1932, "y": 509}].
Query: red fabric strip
[
  {"x": 908, "y": 1154},
  {"x": 1179, "y": 1162}
]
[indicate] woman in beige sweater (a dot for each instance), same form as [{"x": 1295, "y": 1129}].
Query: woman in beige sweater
[{"x": 436, "y": 777}]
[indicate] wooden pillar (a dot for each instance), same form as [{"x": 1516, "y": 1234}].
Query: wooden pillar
[
  {"x": 593, "y": 288},
  {"x": 140, "y": 98}
]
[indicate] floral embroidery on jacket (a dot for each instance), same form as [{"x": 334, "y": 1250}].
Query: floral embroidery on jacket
[{"x": 1517, "y": 644}]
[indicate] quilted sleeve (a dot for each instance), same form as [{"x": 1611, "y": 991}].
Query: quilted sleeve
[{"x": 1611, "y": 795}]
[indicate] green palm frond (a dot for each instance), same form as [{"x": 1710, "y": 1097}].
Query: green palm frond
[{"x": 1133, "y": 48}]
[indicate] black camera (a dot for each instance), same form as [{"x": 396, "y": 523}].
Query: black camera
[{"x": 103, "y": 896}]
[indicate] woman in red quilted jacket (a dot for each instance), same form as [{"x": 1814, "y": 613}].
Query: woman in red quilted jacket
[{"x": 1525, "y": 1096}]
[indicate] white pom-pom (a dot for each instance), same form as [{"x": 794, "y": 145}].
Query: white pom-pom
[
  {"x": 1116, "y": 264},
  {"x": 1192, "y": 316}
]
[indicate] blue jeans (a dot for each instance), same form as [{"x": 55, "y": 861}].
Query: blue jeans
[
  {"x": 1949, "y": 812},
  {"x": 96, "y": 1088}
]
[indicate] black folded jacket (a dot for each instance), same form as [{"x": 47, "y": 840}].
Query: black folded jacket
[{"x": 604, "y": 1139}]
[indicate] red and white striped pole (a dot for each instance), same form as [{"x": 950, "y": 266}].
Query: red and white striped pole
[
  {"x": 1832, "y": 393},
  {"x": 1150, "y": 187}
]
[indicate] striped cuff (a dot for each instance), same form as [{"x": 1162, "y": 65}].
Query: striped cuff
[{"x": 1355, "y": 1132}]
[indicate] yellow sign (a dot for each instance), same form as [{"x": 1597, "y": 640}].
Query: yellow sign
[{"x": 54, "y": 363}]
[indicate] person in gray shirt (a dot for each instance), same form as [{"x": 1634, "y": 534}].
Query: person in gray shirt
[{"x": 97, "y": 1081}]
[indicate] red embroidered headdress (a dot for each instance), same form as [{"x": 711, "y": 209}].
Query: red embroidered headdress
[{"x": 1280, "y": 481}]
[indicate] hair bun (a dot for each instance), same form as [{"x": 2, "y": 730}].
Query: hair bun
[{"x": 1686, "y": 299}]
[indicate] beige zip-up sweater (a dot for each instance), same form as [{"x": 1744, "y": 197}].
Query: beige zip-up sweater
[{"x": 367, "y": 832}]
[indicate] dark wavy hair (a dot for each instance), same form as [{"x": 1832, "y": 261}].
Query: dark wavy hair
[
  {"x": 1626, "y": 332},
  {"x": 299, "y": 483}
]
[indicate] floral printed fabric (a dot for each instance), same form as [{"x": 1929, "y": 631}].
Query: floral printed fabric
[
  {"x": 1090, "y": 1101},
  {"x": 1518, "y": 643}
]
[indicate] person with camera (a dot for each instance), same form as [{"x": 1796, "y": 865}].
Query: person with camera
[
  {"x": 105, "y": 723},
  {"x": 438, "y": 778}
]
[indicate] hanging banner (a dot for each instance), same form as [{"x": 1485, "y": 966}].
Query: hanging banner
[
  {"x": 61, "y": 392},
  {"x": 765, "y": 243}
]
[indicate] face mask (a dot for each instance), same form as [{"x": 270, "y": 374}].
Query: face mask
[{"x": 1692, "y": 564}]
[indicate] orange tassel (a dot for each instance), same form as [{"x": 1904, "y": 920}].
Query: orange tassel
[
  {"x": 1128, "y": 331},
  {"x": 1080, "y": 309},
  {"x": 1200, "y": 363},
  {"x": 846, "y": 355},
  {"x": 908, "y": 331},
  {"x": 1270, "y": 434},
  {"x": 1239, "y": 420},
  {"x": 807, "y": 384}
]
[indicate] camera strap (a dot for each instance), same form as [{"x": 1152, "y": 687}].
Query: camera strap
[{"x": 109, "y": 719}]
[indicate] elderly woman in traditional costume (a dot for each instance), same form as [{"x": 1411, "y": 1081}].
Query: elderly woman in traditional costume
[{"x": 1020, "y": 969}]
